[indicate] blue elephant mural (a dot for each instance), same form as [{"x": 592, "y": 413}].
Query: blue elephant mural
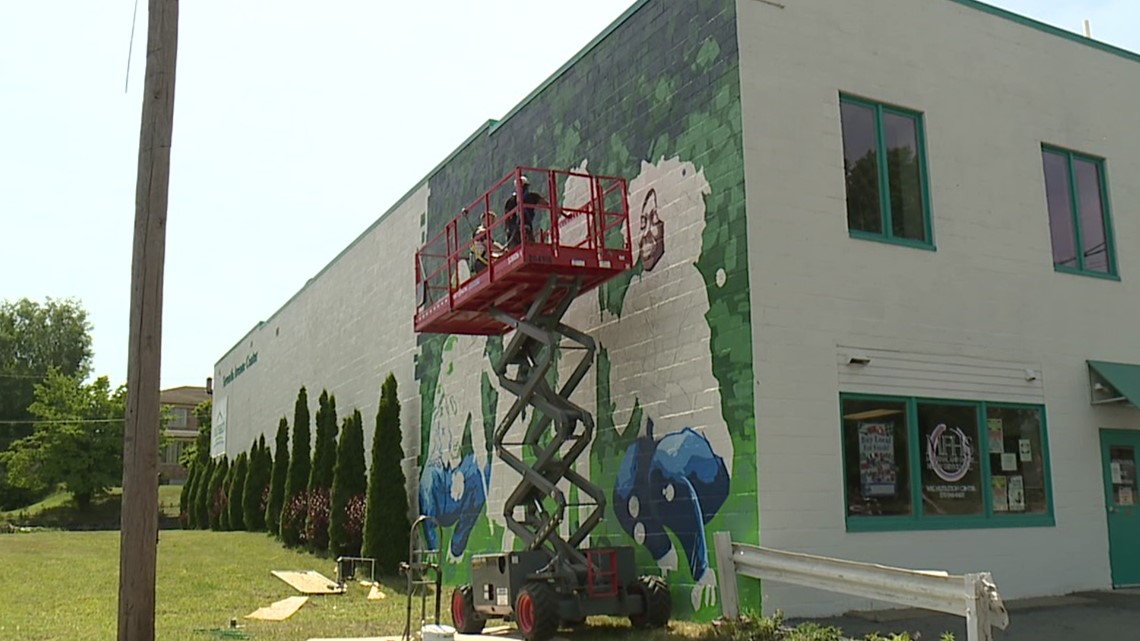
[{"x": 677, "y": 483}]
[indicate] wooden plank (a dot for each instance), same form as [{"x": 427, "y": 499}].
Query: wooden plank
[
  {"x": 280, "y": 610},
  {"x": 310, "y": 582}
]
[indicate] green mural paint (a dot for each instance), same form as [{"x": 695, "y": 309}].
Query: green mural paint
[{"x": 660, "y": 94}]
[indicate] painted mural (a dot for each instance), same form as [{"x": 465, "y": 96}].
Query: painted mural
[{"x": 671, "y": 390}]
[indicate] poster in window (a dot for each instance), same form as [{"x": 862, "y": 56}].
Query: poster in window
[
  {"x": 996, "y": 435},
  {"x": 1016, "y": 494},
  {"x": 1009, "y": 462},
  {"x": 877, "y": 469},
  {"x": 1025, "y": 448},
  {"x": 1001, "y": 499},
  {"x": 1117, "y": 473},
  {"x": 1125, "y": 496}
]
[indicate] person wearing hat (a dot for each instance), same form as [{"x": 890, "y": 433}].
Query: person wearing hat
[
  {"x": 514, "y": 238},
  {"x": 480, "y": 256}
]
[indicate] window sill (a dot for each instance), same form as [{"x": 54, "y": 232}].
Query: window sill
[
  {"x": 890, "y": 240},
  {"x": 906, "y": 523},
  {"x": 1079, "y": 272}
]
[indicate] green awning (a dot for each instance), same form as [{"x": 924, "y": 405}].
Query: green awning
[{"x": 1124, "y": 379}]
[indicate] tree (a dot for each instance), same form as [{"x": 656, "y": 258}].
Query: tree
[
  {"x": 227, "y": 485},
  {"x": 215, "y": 498},
  {"x": 324, "y": 452},
  {"x": 77, "y": 440},
  {"x": 349, "y": 482},
  {"x": 237, "y": 492},
  {"x": 297, "y": 481},
  {"x": 195, "y": 457},
  {"x": 34, "y": 339},
  {"x": 321, "y": 475},
  {"x": 386, "y": 513},
  {"x": 260, "y": 464},
  {"x": 277, "y": 479},
  {"x": 201, "y": 497},
  {"x": 184, "y": 511}
]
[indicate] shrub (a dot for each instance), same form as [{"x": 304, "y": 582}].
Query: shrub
[
  {"x": 276, "y": 499},
  {"x": 386, "y": 514},
  {"x": 297, "y": 481},
  {"x": 349, "y": 480}
]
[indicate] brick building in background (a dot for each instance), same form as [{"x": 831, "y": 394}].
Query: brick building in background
[
  {"x": 884, "y": 301},
  {"x": 181, "y": 428}
]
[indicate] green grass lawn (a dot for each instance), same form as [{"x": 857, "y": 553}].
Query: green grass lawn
[{"x": 64, "y": 586}]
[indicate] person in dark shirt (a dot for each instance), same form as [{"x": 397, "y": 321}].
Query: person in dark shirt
[{"x": 514, "y": 237}]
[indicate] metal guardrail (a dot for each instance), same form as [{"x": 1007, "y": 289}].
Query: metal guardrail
[{"x": 972, "y": 596}]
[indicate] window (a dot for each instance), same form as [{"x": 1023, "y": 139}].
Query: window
[
  {"x": 885, "y": 169},
  {"x": 939, "y": 464},
  {"x": 1076, "y": 191},
  {"x": 177, "y": 417},
  {"x": 173, "y": 451}
]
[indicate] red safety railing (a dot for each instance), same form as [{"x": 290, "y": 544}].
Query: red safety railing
[{"x": 571, "y": 222}]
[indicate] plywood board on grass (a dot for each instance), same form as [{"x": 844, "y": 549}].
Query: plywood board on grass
[
  {"x": 309, "y": 582},
  {"x": 280, "y": 610}
]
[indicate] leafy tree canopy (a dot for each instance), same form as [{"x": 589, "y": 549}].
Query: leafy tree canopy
[{"x": 77, "y": 440}]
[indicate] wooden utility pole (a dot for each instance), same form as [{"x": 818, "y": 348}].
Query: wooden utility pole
[{"x": 139, "y": 530}]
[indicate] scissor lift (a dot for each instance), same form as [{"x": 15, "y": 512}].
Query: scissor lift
[{"x": 574, "y": 242}]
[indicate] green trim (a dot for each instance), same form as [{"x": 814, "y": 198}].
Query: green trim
[
  {"x": 918, "y": 520},
  {"x": 885, "y": 210},
  {"x": 573, "y": 61},
  {"x": 1125, "y": 377},
  {"x": 1071, "y": 157},
  {"x": 1049, "y": 29}
]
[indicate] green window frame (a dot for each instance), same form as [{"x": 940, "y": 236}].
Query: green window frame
[
  {"x": 1071, "y": 158},
  {"x": 886, "y": 231},
  {"x": 919, "y": 517}
]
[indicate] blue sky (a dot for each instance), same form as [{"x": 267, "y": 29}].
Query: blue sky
[{"x": 296, "y": 126}]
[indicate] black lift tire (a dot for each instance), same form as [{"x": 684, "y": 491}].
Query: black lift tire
[
  {"x": 536, "y": 611},
  {"x": 658, "y": 603},
  {"x": 463, "y": 613}
]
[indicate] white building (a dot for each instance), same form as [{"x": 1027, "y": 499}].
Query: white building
[{"x": 919, "y": 356}]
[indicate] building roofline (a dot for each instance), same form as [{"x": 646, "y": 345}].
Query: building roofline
[
  {"x": 491, "y": 126},
  {"x": 488, "y": 127},
  {"x": 1049, "y": 29}
]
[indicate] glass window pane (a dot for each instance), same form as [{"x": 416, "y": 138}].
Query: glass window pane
[
  {"x": 1093, "y": 238},
  {"x": 1017, "y": 461},
  {"x": 951, "y": 473},
  {"x": 907, "y": 220},
  {"x": 877, "y": 455},
  {"x": 1057, "y": 195},
  {"x": 1122, "y": 465},
  {"x": 861, "y": 167}
]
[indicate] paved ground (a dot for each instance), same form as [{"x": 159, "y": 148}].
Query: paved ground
[
  {"x": 1086, "y": 616},
  {"x": 1095, "y": 616}
]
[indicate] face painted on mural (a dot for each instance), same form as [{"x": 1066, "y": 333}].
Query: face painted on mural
[{"x": 652, "y": 239}]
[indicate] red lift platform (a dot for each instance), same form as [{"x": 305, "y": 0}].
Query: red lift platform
[
  {"x": 579, "y": 229},
  {"x": 564, "y": 234}
]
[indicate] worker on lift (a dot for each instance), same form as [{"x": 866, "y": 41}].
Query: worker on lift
[
  {"x": 514, "y": 237},
  {"x": 484, "y": 249}
]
